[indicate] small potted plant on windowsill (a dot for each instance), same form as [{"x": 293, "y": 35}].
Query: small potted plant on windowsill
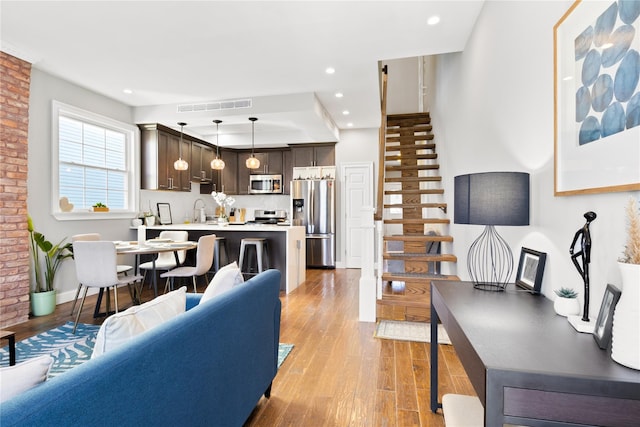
[
  {"x": 566, "y": 304},
  {"x": 100, "y": 207}
]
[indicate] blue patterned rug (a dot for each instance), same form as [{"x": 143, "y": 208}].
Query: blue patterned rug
[{"x": 69, "y": 350}]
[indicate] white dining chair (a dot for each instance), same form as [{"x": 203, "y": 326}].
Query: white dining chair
[
  {"x": 92, "y": 237},
  {"x": 204, "y": 260},
  {"x": 167, "y": 260},
  {"x": 96, "y": 267}
]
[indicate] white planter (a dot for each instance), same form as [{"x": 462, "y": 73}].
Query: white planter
[
  {"x": 149, "y": 221},
  {"x": 625, "y": 333},
  {"x": 566, "y": 306}
]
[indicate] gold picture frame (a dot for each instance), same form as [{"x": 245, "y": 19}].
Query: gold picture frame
[{"x": 594, "y": 74}]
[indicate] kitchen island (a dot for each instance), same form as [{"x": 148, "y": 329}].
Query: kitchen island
[{"x": 286, "y": 245}]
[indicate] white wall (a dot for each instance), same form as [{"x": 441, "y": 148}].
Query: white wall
[
  {"x": 44, "y": 89},
  {"x": 493, "y": 111}
]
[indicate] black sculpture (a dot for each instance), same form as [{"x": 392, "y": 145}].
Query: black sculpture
[{"x": 585, "y": 255}]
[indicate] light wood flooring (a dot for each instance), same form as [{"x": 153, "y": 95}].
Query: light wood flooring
[{"x": 337, "y": 374}]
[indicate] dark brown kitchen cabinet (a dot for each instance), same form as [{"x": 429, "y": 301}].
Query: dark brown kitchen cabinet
[
  {"x": 200, "y": 166},
  {"x": 229, "y": 175},
  {"x": 270, "y": 162},
  {"x": 287, "y": 171},
  {"x": 160, "y": 148},
  {"x": 313, "y": 155}
]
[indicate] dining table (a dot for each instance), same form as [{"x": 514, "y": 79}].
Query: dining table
[{"x": 152, "y": 247}]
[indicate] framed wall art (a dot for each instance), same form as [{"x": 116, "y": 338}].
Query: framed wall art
[
  {"x": 597, "y": 98},
  {"x": 530, "y": 270},
  {"x": 602, "y": 332}
]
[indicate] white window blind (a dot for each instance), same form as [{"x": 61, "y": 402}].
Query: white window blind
[{"x": 94, "y": 161}]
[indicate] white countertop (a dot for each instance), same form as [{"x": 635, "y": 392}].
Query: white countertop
[{"x": 230, "y": 227}]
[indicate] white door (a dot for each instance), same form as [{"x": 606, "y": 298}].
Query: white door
[{"x": 357, "y": 193}]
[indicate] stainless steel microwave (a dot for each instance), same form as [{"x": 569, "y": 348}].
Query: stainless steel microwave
[{"x": 265, "y": 184}]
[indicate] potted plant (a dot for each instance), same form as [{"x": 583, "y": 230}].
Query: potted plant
[
  {"x": 43, "y": 296},
  {"x": 625, "y": 346},
  {"x": 149, "y": 219},
  {"x": 566, "y": 304},
  {"x": 100, "y": 207}
]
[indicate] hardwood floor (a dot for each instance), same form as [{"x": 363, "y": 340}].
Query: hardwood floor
[{"x": 337, "y": 374}]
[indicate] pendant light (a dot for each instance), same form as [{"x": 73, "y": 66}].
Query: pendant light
[
  {"x": 217, "y": 163},
  {"x": 252, "y": 162},
  {"x": 180, "y": 165}
]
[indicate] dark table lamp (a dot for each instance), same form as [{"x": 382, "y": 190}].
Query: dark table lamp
[{"x": 491, "y": 198}]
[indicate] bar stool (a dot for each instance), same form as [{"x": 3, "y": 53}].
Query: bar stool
[
  {"x": 261, "y": 248},
  {"x": 221, "y": 242}
]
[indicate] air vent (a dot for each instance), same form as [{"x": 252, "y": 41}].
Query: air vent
[{"x": 213, "y": 106}]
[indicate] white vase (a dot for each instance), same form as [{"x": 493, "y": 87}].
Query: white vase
[
  {"x": 625, "y": 333},
  {"x": 566, "y": 306}
]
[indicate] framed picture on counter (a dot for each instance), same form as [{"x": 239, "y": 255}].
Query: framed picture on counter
[{"x": 164, "y": 213}]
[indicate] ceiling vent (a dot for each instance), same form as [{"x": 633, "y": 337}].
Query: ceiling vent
[{"x": 214, "y": 106}]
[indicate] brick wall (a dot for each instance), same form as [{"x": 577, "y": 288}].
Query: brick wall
[{"x": 15, "y": 76}]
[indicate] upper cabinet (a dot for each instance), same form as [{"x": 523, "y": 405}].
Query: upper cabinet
[
  {"x": 313, "y": 155},
  {"x": 270, "y": 161},
  {"x": 159, "y": 148},
  {"x": 229, "y": 175},
  {"x": 200, "y": 166}
]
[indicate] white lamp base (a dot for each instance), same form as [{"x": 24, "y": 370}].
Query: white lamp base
[{"x": 580, "y": 325}]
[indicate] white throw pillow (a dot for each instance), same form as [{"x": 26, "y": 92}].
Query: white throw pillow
[
  {"x": 119, "y": 328},
  {"x": 23, "y": 376},
  {"x": 225, "y": 279}
]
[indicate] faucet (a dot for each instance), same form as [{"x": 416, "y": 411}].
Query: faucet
[{"x": 199, "y": 215}]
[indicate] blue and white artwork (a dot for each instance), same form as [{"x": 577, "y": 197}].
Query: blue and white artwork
[{"x": 607, "y": 61}]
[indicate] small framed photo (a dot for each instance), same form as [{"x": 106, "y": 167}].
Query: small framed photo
[
  {"x": 530, "y": 270},
  {"x": 602, "y": 331},
  {"x": 164, "y": 212}
]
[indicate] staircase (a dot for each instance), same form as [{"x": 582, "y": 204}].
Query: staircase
[{"x": 414, "y": 217}]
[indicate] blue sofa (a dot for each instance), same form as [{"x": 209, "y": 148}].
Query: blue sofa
[{"x": 207, "y": 367}]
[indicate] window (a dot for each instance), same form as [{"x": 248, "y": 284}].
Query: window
[{"x": 93, "y": 158}]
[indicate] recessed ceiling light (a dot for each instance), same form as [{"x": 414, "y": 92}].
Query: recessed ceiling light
[
  {"x": 433, "y": 20},
  {"x": 350, "y": 124},
  {"x": 127, "y": 91},
  {"x": 339, "y": 95},
  {"x": 330, "y": 70},
  {"x": 345, "y": 112}
]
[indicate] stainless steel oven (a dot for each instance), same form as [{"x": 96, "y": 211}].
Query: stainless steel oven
[{"x": 265, "y": 184}]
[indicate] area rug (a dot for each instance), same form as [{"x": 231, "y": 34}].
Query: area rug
[
  {"x": 409, "y": 331},
  {"x": 69, "y": 350},
  {"x": 283, "y": 352}
]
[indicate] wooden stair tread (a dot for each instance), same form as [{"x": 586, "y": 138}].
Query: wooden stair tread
[
  {"x": 400, "y": 157},
  {"x": 418, "y": 221},
  {"x": 419, "y": 191},
  {"x": 428, "y": 146},
  {"x": 416, "y": 205},
  {"x": 417, "y": 238},
  {"x": 419, "y": 127},
  {"x": 416, "y": 276},
  {"x": 392, "y": 168},
  {"x": 413, "y": 179},
  {"x": 408, "y": 139},
  {"x": 419, "y": 257}
]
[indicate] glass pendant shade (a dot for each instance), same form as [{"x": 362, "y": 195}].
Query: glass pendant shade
[
  {"x": 217, "y": 163},
  {"x": 180, "y": 165},
  {"x": 252, "y": 162}
]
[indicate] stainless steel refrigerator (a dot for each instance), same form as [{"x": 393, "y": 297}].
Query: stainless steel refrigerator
[{"x": 314, "y": 207}]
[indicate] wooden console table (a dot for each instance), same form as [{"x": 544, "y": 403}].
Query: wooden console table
[{"x": 527, "y": 364}]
